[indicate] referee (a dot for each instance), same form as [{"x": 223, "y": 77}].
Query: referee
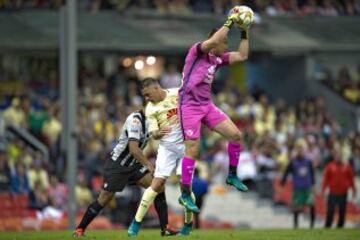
[{"x": 127, "y": 165}]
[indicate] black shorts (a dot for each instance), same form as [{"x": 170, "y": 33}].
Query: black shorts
[{"x": 116, "y": 178}]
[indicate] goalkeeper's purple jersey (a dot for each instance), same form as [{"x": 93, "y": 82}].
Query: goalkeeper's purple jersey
[{"x": 198, "y": 75}]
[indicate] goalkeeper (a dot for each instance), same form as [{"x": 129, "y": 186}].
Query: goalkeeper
[{"x": 196, "y": 107}]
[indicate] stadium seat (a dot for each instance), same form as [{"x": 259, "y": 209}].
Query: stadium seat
[
  {"x": 22, "y": 200},
  {"x": 13, "y": 224},
  {"x": 96, "y": 183},
  {"x": 282, "y": 195},
  {"x": 6, "y": 200},
  {"x": 48, "y": 224}
]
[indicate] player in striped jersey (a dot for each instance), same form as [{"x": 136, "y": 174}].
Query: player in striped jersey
[
  {"x": 127, "y": 165},
  {"x": 161, "y": 112}
]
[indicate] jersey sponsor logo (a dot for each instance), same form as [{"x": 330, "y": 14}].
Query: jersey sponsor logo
[
  {"x": 171, "y": 113},
  {"x": 210, "y": 74},
  {"x": 303, "y": 171}
]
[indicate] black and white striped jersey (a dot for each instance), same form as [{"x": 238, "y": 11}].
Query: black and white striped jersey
[{"x": 135, "y": 128}]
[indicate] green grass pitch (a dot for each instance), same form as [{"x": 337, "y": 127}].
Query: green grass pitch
[{"x": 317, "y": 234}]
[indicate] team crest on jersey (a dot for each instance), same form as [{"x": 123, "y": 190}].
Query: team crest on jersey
[
  {"x": 136, "y": 121},
  {"x": 219, "y": 61},
  {"x": 189, "y": 132},
  {"x": 171, "y": 113}
]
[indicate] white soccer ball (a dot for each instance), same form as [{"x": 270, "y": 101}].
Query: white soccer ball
[{"x": 246, "y": 16}]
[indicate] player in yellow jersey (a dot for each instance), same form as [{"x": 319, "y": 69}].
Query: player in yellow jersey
[{"x": 164, "y": 125}]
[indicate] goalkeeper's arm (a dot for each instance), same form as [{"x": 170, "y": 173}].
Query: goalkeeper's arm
[
  {"x": 220, "y": 35},
  {"x": 243, "y": 51}
]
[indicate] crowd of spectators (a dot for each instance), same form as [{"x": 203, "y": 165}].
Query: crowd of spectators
[
  {"x": 344, "y": 82},
  {"x": 271, "y": 131},
  {"x": 215, "y": 7}
]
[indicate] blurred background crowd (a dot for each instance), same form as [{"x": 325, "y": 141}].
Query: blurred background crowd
[
  {"x": 342, "y": 82},
  {"x": 190, "y": 7}
]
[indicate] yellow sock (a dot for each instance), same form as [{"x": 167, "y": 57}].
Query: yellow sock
[
  {"x": 189, "y": 215},
  {"x": 146, "y": 200}
]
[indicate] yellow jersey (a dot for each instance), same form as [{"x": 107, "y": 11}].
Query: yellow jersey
[{"x": 164, "y": 113}]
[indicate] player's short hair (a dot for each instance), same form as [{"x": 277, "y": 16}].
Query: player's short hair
[{"x": 148, "y": 82}]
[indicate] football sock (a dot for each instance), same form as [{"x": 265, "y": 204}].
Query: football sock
[
  {"x": 146, "y": 200},
  {"x": 188, "y": 214},
  {"x": 234, "y": 150},
  {"x": 187, "y": 168},
  {"x": 91, "y": 212},
  {"x": 296, "y": 219},
  {"x": 312, "y": 217},
  {"x": 232, "y": 170},
  {"x": 185, "y": 189},
  {"x": 162, "y": 210}
]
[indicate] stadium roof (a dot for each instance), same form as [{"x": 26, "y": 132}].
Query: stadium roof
[{"x": 110, "y": 31}]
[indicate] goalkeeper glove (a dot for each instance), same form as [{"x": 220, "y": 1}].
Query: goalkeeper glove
[{"x": 232, "y": 18}]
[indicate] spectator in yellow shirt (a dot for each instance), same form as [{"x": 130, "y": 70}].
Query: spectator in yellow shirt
[
  {"x": 38, "y": 174},
  {"x": 14, "y": 115},
  {"x": 83, "y": 194},
  {"x": 352, "y": 93}
]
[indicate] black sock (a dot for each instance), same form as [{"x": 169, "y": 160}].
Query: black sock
[
  {"x": 162, "y": 210},
  {"x": 185, "y": 189},
  {"x": 232, "y": 170},
  {"x": 91, "y": 212},
  {"x": 296, "y": 214},
  {"x": 312, "y": 217}
]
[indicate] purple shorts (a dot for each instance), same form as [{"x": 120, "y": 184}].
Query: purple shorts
[{"x": 191, "y": 118}]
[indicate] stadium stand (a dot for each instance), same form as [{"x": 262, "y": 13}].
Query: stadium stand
[{"x": 188, "y": 7}]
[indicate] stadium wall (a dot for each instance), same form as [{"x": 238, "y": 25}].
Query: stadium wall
[{"x": 281, "y": 77}]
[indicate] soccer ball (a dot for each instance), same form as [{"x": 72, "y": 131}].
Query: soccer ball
[{"x": 246, "y": 17}]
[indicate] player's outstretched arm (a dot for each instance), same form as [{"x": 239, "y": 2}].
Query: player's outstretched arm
[
  {"x": 216, "y": 39},
  {"x": 137, "y": 153},
  {"x": 219, "y": 36},
  {"x": 243, "y": 51}
]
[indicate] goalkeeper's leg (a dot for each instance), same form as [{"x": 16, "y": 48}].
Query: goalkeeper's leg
[
  {"x": 228, "y": 129},
  {"x": 188, "y": 220},
  {"x": 187, "y": 172}
]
